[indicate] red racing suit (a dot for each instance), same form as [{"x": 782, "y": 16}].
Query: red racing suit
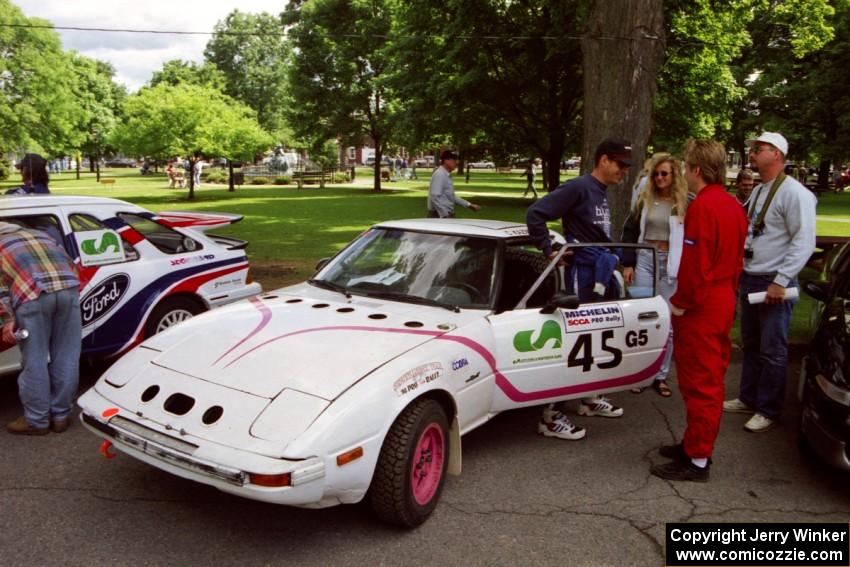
[{"x": 712, "y": 260}]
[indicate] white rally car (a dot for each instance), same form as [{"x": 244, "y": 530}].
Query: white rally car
[
  {"x": 363, "y": 379},
  {"x": 140, "y": 272}
]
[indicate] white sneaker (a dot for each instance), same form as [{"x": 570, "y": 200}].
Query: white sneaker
[
  {"x": 556, "y": 424},
  {"x": 737, "y": 406},
  {"x": 758, "y": 424},
  {"x": 599, "y": 406}
]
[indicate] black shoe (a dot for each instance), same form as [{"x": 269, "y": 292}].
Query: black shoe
[
  {"x": 675, "y": 452},
  {"x": 676, "y": 470}
]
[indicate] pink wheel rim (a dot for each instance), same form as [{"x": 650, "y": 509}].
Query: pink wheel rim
[{"x": 427, "y": 469}]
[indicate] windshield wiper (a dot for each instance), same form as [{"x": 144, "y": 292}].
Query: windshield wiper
[
  {"x": 412, "y": 299},
  {"x": 324, "y": 284}
]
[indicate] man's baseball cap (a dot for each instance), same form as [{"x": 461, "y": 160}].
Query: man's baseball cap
[
  {"x": 775, "y": 139},
  {"x": 32, "y": 161},
  {"x": 447, "y": 154},
  {"x": 616, "y": 150}
]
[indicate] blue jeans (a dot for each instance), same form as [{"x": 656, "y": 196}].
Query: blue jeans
[
  {"x": 764, "y": 332},
  {"x": 666, "y": 288},
  {"x": 47, "y": 385}
]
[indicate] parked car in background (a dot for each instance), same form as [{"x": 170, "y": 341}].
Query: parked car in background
[
  {"x": 120, "y": 162},
  {"x": 370, "y": 161},
  {"x": 140, "y": 272},
  {"x": 359, "y": 382},
  {"x": 825, "y": 382},
  {"x": 572, "y": 163},
  {"x": 482, "y": 165}
]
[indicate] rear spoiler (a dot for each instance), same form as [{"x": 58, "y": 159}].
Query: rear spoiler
[{"x": 197, "y": 220}]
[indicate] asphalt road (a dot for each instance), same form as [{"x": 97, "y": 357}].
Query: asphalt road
[{"x": 521, "y": 500}]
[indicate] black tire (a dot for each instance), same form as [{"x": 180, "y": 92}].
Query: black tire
[
  {"x": 391, "y": 492},
  {"x": 167, "y": 314}
]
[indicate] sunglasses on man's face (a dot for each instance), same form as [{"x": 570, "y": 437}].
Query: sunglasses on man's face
[{"x": 661, "y": 174}]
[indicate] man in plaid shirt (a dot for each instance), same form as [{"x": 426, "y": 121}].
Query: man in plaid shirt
[{"x": 39, "y": 292}]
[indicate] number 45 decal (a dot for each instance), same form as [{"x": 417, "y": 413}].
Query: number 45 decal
[{"x": 582, "y": 352}]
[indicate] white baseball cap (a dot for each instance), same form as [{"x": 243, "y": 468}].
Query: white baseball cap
[{"x": 775, "y": 139}]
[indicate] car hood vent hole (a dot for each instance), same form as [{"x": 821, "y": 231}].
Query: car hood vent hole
[
  {"x": 178, "y": 404},
  {"x": 377, "y": 316},
  {"x": 150, "y": 393},
  {"x": 345, "y": 309},
  {"x": 212, "y": 415},
  {"x": 414, "y": 324}
]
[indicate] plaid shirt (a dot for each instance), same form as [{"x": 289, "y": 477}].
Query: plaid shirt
[{"x": 31, "y": 263}]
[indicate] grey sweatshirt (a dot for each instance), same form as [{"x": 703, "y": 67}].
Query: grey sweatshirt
[
  {"x": 441, "y": 194},
  {"x": 788, "y": 239}
]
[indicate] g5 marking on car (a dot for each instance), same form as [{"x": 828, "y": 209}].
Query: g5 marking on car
[
  {"x": 362, "y": 380},
  {"x": 140, "y": 272}
]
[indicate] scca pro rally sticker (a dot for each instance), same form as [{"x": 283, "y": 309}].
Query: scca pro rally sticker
[
  {"x": 416, "y": 377},
  {"x": 600, "y": 316}
]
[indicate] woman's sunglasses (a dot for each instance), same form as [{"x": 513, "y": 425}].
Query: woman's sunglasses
[{"x": 661, "y": 174}]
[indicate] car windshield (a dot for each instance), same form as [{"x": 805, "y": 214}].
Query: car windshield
[{"x": 452, "y": 271}]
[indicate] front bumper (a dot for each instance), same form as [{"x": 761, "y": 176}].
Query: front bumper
[{"x": 225, "y": 468}]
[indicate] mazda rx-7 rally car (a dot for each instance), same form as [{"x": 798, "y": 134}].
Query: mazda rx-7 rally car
[
  {"x": 362, "y": 380},
  {"x": 140, "y": 272}
]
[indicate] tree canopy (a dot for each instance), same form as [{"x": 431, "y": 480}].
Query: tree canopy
[{"x": 189, "y": 120}]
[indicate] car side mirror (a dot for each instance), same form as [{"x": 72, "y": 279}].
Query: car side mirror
[
  {"x": 560, "y": 301},
  {"x": 817, "y": 289},
  {"x": 322, "y": 263}
]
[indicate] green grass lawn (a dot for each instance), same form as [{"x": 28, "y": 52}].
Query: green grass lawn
[{"x": 290, "y": 229}]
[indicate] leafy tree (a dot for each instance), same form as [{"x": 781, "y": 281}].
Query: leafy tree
[
  {"x": 251, "y": 51},
  {"x": 697, "y": 87},
  {"x": 493, "y": 77},
  {"x": 338, "y": 81},
  {"x": 176, "y": 72},
  {"x": 37, "y": 107},
  {"x": 100, "y": 99},
  {"x": 188, "y": 120}
]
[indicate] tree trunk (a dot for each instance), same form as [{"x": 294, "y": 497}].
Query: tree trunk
[
  {"x": 823, "y": 175},
  {"x": 379, "y": 158},
  {"x": 552, "y": 160},
  {"x": 619, "y": 84},
  {"x": 191, "y": 175}
]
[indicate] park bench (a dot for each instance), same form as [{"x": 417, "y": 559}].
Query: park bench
[
  {"x": 107, "y": 181},
  {"x": 503, "y": 169}
]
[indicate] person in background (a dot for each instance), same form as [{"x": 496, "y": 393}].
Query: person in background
[
  {"x": 582, "y": 205},
  {"x": 744, "y": 186},
  {"x": 529, "y": 176},
  {"x": 657, "y": 218},
  {"x": 34, "y": 176},
  {"x": 441, "y": 193},
  {"x": 780, "y": 240},
  {"x": 39, "y": 294},
  {"x": 703, "y": 308}
]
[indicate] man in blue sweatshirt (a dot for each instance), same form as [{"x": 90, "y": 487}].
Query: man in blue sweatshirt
[{"x": 582, "y": 206}]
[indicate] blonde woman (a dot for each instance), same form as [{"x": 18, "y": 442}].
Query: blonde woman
[{"x": 657, "y": 218}]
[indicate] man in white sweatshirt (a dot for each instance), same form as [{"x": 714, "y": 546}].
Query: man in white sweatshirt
[{"x": 780, "y": 240}]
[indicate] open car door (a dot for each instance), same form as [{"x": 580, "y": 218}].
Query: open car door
[{"x": 556, "y": 348}]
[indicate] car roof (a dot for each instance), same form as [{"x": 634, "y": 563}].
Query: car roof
[
  {"x": 32, "y": 201},
  {"x": 465, "y": 227}
]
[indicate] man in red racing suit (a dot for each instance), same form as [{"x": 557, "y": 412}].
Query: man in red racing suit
[{"x": 704, "y": 308}]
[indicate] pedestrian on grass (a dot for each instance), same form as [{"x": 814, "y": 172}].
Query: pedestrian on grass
[
  {"x": 441, "y": 193},
  {"x": 39, "y": 294},
  {"x": 529, "y": 176},
  {"x": 780, "y": 240},
  {"x": 703, "y": 308},
  {"x": 582, "y": 206}
]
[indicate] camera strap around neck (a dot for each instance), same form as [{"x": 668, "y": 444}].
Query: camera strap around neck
[{"x": 758, "y": 225}]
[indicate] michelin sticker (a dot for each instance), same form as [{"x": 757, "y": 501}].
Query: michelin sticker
[
  {"x": 599, "y": 316},
  {"x": 99, "y": 247},
  {"x": 416, "y": 377}
]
